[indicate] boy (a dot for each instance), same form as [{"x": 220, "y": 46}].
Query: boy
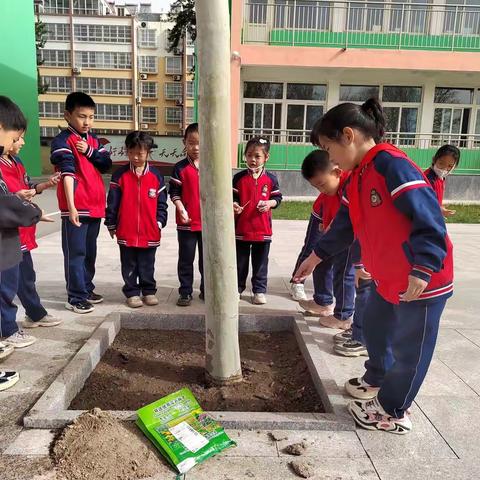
[
  {"x": 330, "y": 180},
  {"x": 136, "y": 213},
  {"x": 185, "y": 194},
  {"x": 78, "y": 156}
]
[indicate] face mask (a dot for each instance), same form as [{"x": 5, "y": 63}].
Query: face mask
[
  {"x": 255, "y": 170},
  {"x": 440, "y": 173}
]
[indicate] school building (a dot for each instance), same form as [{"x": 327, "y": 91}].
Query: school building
[{"x": 294, "y": 59}]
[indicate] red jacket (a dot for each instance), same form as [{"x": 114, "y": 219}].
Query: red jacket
[
  {"x": 327, "y": 206},
  {"x": 16, "y": 178},
  {"x": 390, "y": 207},
  {"x": 185, "y": 186},
  {"x": 137, "y": 206},
  {"x": 252, "y": 225},
  {"x": 86, "y": 169},
  {"x": 437, "y": 183}
]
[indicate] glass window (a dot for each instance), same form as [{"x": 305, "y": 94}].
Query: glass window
[
  {"x": 51, "y": 109},
  {"x": 86, "y": 7},
  {"x": 454, "y": 95},
  {"x": 173, "y": 115},
  {"x": 56, "y": 6},
  {"x": 190, "y": 90},
  {"x": 173, "y": 91},
  {"x": 462, "y": 16},
  {"x": 149, "y": 89},
  {"x": 56, "y": 58},
  {"x": 189, "y": 115},
  {"x": 58, "y": 84},
  {"x": 306, "y": 14},
  {"x": 173, "y": 65},
  {"x": 103, "y": 33},
  {"x": 49, "y": 132},
  {"x": 263, "y": 90},
  {"x": 358, "y": 93},
  {"x": 314, "y": 113},
  {"x": 149, "y": 114},
  {"x": 105, "y": 86},
  {"x": 305, "y": 91},
  {"x": 401, "y": 124},
  {"x": 147, "y": 38},
  {"x": 147, "y": 64},
  {"x": 402, "y": 94},
  {"x": 258, "y": 11},
  {"x": 113, "y": 112},
  {"x": 105, "y": 60},
  {"x": 57, "y": 32}
]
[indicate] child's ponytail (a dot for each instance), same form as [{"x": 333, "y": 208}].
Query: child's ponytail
[{"x": 374, "y": 110}]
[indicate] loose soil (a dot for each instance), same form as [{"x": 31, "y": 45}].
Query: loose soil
[{"x": 142, "y": 366}]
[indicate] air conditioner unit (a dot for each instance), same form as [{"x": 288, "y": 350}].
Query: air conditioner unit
[
  {"x": 138, "y": 100},
  {"x": 178, "y": 103},
  {"x": 177, "y": 78},
  {"x": 144, "y": 126},
  {"x": 77, "y": 70},
  {"x": 177, "y": 51},
  {"x": 143, "y": 76}
]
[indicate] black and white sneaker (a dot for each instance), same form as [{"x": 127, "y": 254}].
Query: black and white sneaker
[
  {"x": 81, "y": 307},
  {"x": 184, "y": 300},
  {"x": 95, "y": 298},
  {"x": 350, "y": 348},
  {"x": 8, "y": 379},
  {"x": 343, "y": 337},
  {"x": 358, "y": 388}
]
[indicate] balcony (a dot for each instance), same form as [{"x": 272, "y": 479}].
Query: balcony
[{"x": 362, "y": 24}]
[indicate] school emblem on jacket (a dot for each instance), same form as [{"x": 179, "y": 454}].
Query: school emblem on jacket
[
  {"x": 264, "y": 190},
  {"x": 375, "y": 198},
  {"x": 152, "y": 192}
]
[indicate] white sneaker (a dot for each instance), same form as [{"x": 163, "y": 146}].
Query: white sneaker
[
  {"x": 5, "y": 350},
  {"x": 369, "y": 414},
  {"x": 297, "y": 291},
  {"x": 259, "y": 299},
  {"x": 20, "y": 340},
  {"x": 46, "y": 321},
  {"x": 358, "y": 388},
  {"x": 8, "y": 379},
  {"x": 134, "y": 302},
  {"x": 150, "y": 300}
]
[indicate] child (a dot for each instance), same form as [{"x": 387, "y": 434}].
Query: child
[
  {"x": 443, "y": 162},
  {"x": 18, "y": 182},
  {"x": 330, "y": 181},
  {"x": 391, "y": 209},
  {"x": 136, "y": 213},
  {"x": 185, "y": 194},
  {"x": 79, "y": 157},
  {"x": 255, "y": 193}
]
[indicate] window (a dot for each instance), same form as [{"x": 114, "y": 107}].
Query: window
[
  {"x": 149, "y": 89},
  {"x": 149, "y": 114},
  {"x": 58, "y": 84},
  {"x": 105, "y": 86},
  {"x": 365, "y": 16},
  {"x": 462, "y": 16},
  {"x": 173, "y": 115},
  {"x": 189, "y": 115},
  {"x": 300, "y": 14},
  {"x": 147, "y": 38},
  {"x": 104, "y": 60},
  {"x": 56, "y": 6},
  {"x": 306, "y": 91},
  {"x": 173, "y": 65},
  {"x": 173, "y": 91},
  {"x": 51, "y": 109},
  {"x": 412, "y": 16},
  {"x": 402, "y": 94},
  {"x": 103, "y": 33},
  {"x": 358, "y": 93},
  {"x": 113, "y": 112},
  {"x": 263, "y": 90},
  {"x": 190, "y": 90},
  {"x": 147, "y": 64},
  {"x": 58, "y": 32},
  {"x": 190, "y": 63},
  {"x": 49, "y": 132},
  {"x": 86, "y": 7},
  {"x": 453, "y": 95},
  {"x": 56, "y": 58},
  {"x": 258, "y": 11}
]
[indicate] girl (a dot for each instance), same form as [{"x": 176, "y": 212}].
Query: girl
[
  {"x": 255, "y": 193},
  {"x": 443, "y": 162},
  {"x": 392, "y": 211}
]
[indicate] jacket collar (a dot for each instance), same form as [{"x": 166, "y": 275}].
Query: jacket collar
[
  {"x": 146, "y": 169},
  {"x": 76, "y": 132}
]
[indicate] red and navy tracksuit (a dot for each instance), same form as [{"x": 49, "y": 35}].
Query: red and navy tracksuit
[
  {"x": 391, "y": 209},
  {"x": 253, "y": 229},
  {"x": 19, "y": 280},
  {"x": 79, "y": 244},
  {"x": 437, "y": 183},
  {"x": 137, "y": 211},
  {"x": 185, "y": 186}
]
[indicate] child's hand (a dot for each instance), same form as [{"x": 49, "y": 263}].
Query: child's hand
[
  {"x": 416, "y": 286},
  {"x": 53, "y": 180},
  {"x": 306, "y": 268},
  {"x": 263, "y": 206},
  {"x": 46, "y": 218},
  {"x": 112, "y": 233},
  {"x": 237, "y": 208},
  {"x": 448, "y": 213},
  {"x": 361, "y": 274},
  {"x": 81, "y": 146},
  {"x": 184, "y": 218},
  {"x": 26, "y": 194},
  {"x": 74, "y": 217}
]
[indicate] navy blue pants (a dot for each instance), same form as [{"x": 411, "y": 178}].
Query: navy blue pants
[
  {"x": 259, "y": 252},
  {"x": 138, "y": 271},
  {"x": 27, "y": 291},
  {"x": 8, "y": 310},
  {"x": 362, "y": 294},
  {"x": 79, "y": 245},
  {"x": 400, "y": 340},
  {"x": 187, "y": 246}
]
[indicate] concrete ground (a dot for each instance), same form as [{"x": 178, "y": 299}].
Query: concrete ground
[{"x": 445, "y": 442}]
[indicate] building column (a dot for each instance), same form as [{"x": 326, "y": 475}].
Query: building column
[{"x": 427, "y": 113}]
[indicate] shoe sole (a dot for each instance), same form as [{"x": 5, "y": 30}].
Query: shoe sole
[
  {"x": 361, "y": 396},
  {"x": 134, "y": 306},
  {"x": 95, "y": 301},
  {"x": 74, "y": 309},
  {"x": 23, "y": 345},
  {"x": 338, "y": 341},
  {"x": 399, "y": 430},
  {"x": 150, "y": 304},
  {"x": 10, "y": 383},
  {"x": 184, "y": 304},
  {"x": 40, "y": 324},
  {"x": 6, "y": 353},
  {"x": 351, "y": 354}
]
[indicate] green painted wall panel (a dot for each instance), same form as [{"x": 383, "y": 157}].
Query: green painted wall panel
[{"x": 18, "y": 66}]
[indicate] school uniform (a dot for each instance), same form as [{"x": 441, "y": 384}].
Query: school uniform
[
  {"x": 137, "y": 211},
  {"x": 437, "y": 183},
  {"x": 185, "y": 186},
  {"x": 16, "y": 178},
  {"x": 253, "y": 229},
  {"x": 79, "y": 244},
  {"x": 392, "y": 210}
]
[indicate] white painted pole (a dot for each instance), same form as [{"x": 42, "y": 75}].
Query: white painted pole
[{"x": 220, "y": 269}]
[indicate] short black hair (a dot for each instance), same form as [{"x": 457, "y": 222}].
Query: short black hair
[
  {"x": 315, "y": 162},
  {"x": 262, "y": 142},
  {"x": 444, "y": 150},
  {"x": 77, "y": 100},
  {"x": 11, "y": 117},
  {"x": 140, "y": 139},
  {"x": 192, "y": 128}
]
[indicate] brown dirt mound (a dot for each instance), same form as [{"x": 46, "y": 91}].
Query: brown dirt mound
[{"x": 97, "y": 446}]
